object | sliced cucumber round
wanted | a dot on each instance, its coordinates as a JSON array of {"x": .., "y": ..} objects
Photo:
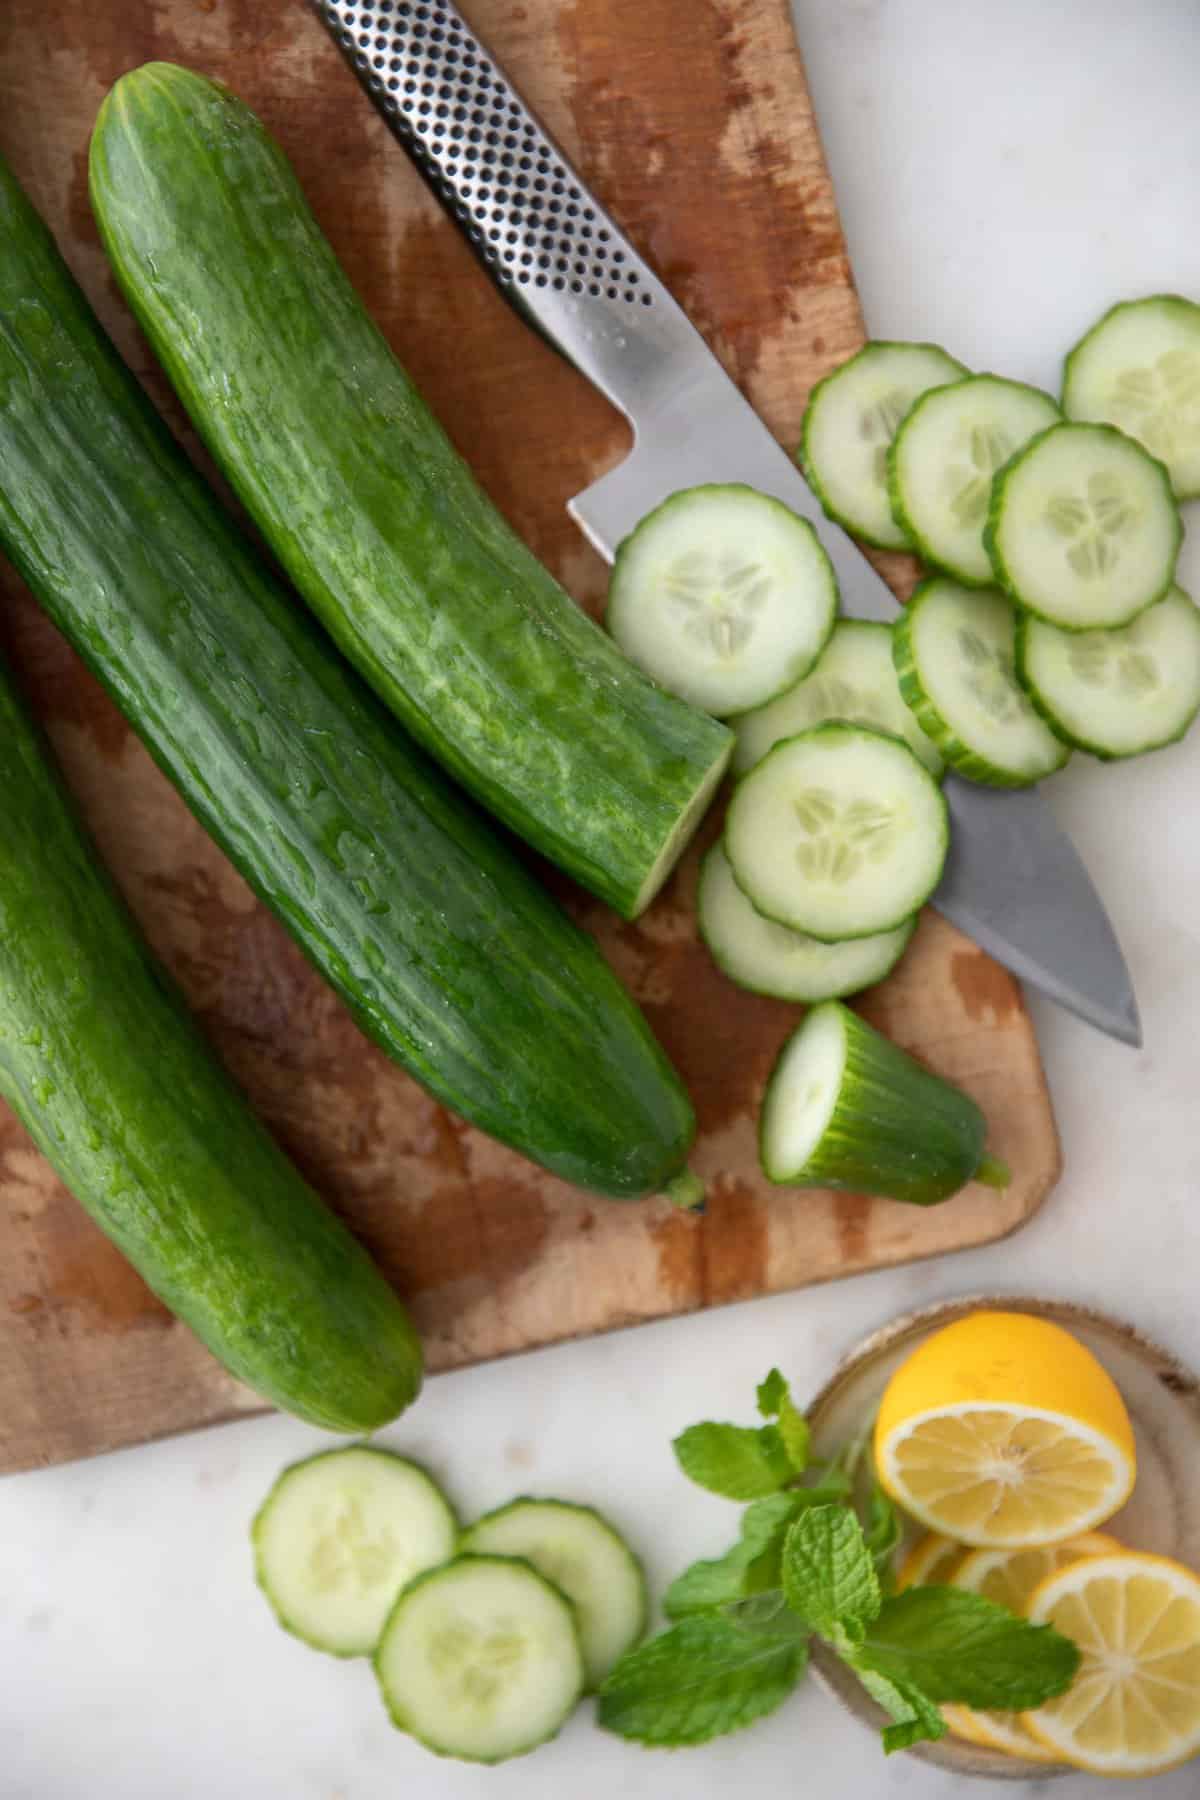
[
  {"x": 955, "y": 658},
  {"x": 338, "y": 1537},
  {"x": 578, "y": 1550},
  {"x": 770, "y": 959},
  {"x": 480, "y": 1659},
  {"x": 1139, "y": 369},
  {"x": 724, "y": 595},
  {"x": 854, "y": 681},
  {"x": 851, "y": 419},
  {"x": 1083, "y": 528},
  {"x": 844, "y": 1108},
  {"x": 943, "y": 460},
  {"x": 1117, "y": 693},
  {"x": 840, "y": 833}
]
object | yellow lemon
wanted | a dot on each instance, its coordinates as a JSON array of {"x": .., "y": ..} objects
[
  {"x": 1134, "y": 1707},
  {"x": 931, "y": 1560},
  {"x": 1009, "y": 1577},
  {"x": 1002, "y": 1431}
]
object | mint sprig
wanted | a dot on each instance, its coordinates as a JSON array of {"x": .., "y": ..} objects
[{"x": 806, "y": 1566}]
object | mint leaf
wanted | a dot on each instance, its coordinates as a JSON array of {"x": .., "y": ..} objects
[
  {"x": 704, "y": 1677},
  {"x": 959, "y": 1646},
  {"x": 751, "y": 1566},
  {"x": 828, "y": 1575},
  {"x": 883, "y": 1532},
  {"x": 775, "y": 1401},
  {"x": 769, "y": 1613},
  {"x": 741, "y": 1462},
  {"x": 916, "y": 1719},
  {"x": 771, "y": 1394}
]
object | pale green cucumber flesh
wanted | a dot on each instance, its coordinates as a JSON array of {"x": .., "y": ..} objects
[
  {"x": 1117, "y": 693},
  {"x": 853, "y": 681},
  {"x": 1082, "y": 527},
  {"x": 1139, "y": 368},
  {"x": 366, "y": 504},
  {"x": 480, "y": 1659},
  {"x": 450, "y": 954},
  {"x": 851, "y": 418},
  {"x": 839, "y": 832},
  {"x": 944, "y": 457},
  {"x": 338, "y": 1538},
  {"x": 955, "y": 659},
  {"x": 579, "y": 1551},
  {"x": 845, "y": 1109},
  {"x": 770, "y": 959},
  {"x": 723, "y": 595}
]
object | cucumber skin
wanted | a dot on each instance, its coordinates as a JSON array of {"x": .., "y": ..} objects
[
  {"x": 256, "y": 1524},
  {"x": 1121, "y": 306},
  {"x": 118, "y": 1090},
  {"x": 395, "y": 1713},
  {"x": 450, "y": 955},
  {"x": 367, "y": 506},
  {"x": 958, "y": 755},
  {"x": 896, "y": 1114},
  {"x": 996, "y": 507},
  {"x": 805, "y": 462},
  {"x": 1073, "y": 739},
  {"x": 896, "y": 498}
]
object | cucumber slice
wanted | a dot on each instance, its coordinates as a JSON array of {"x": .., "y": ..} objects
[
  {"x": 851, "y": 419},
  {"x": 844, "y": 1108},
  {"x": 1083, "y": 529},
  {"x": 480, "y": 1659},
  {"x": 854, "y": 680},
  {"x": 724, "y": 595},
  {"x": 943, "y": 460},
  {"x": 1139, "y": 369},
  {"x": 1117, "y": 693},
  {"x": 578, "y": 1551},
  {"x": 338, "y": 1537},
  {"x": 955, "y": 656},
  {"x": 840, "y": 833},
  {"x": 770, "y": 959}
]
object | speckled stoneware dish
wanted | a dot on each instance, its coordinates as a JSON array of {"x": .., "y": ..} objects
[{"x": 1163, "y": 1513}]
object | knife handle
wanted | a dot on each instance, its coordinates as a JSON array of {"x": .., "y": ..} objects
[{"x": 549, "y": 245}]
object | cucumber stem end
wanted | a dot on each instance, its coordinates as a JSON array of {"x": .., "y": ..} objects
[
  {"x": 686, "y": 1191},
  {"x": 993, "y": 1172}
]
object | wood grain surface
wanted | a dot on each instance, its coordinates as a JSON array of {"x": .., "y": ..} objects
[{"x": 692, "y": 121}]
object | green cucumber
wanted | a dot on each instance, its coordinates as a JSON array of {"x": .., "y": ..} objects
[
  {"x": 340, "y": 1536},
  {"x": 375, "y": 517},
  {"x": 846, "y": 1109},
  {"x": 1139, "y": 368},
  {"x": 480, "y": 1659},
  {"x": 578, "y": 1550},
  {"x": 449, "y": 953},
  {"x": 117, "y": 1088},
  {"x": 954, "y": 649}
]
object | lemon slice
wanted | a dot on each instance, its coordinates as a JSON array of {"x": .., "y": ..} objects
[
  {"x": 1134, "y": 1707},
  {"x": 1009, "y": 1577},
  {"x": 1001, "y": 1430},
  {"x": 932, "y": 1559}
]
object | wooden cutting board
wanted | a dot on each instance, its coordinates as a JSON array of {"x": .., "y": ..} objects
[{"x": 692, "y": 120}]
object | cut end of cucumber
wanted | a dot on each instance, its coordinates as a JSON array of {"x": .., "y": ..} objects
[
  {"x": 684, "y": 831},
  {"x": 480, "y": 1659},
  {"x": 340, "y": 1535},
  {"x": 803, "y": 1093}
]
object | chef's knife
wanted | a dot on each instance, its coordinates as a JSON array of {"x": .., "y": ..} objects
[{"x": 1013, "y": 881}]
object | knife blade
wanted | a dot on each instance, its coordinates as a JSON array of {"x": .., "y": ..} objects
[{"x": 1013, "y": 880}]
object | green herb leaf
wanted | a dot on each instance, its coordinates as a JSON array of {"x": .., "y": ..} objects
[
  {"x": 958, "y": 1646},
  {"x": 751, "y": 1566},
  {"x": 704, "y": 1677},
  {"x": 828, "y": 1575},
  {"x": 741, "y": 1462},
  {"x": 916, "y": 1718},
  {"x": 769, "y": 1613},
  {"x": 775, "y": 1401}
]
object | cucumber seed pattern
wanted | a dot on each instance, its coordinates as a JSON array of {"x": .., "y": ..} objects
[
  {"x": 833, "y": 697},
  {"x": 720, "y": 596},
  {"x": 991, "y": 678},
  {"x": 1092, "y": 524},
  {"x": 969, "y": 481},
  {"x": 1101, "y": 661},
  {"x": 1160, "y": 403},
  {"x": 476, "y": 1663},
  {"x": 840, "y": 836},
  {"x": 345, "y": 1554},
  {"x": 878, "y": 425}
]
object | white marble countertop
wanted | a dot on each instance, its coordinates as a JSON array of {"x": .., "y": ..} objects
[{"x": 1004, "y": 173}]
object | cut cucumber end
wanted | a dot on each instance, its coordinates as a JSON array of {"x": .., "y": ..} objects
[
  {"x": 480, "y": 1659},
  {"x": 803, "y": 1093},
  {"x": 683, "y": 832}
]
